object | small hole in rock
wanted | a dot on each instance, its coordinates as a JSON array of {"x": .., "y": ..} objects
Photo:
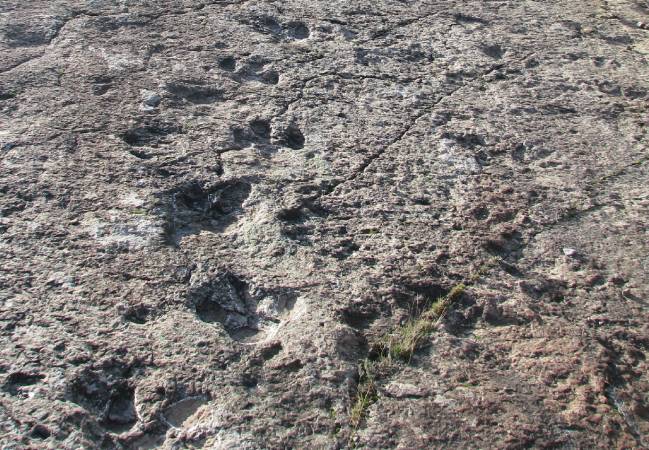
[
  {"x": 193, "y": 207},
  {"x": 40, "y": 432},
  {"x": 493, "y": 51},
  {"x": 228, "y": 64},
  {"x": 261, "y": 128},
  {"x": 481, "y": 213},
  {"x": 100, "y": 89},
  {"x": 270, "y": 77},
  {"x": 6, "y": 95},
  {"x": 240, "y": 136},
  {"x": 194, "y": 93},
  {"x": 121, "y": 410},
  {"x": 294, "y": 138},
  {"x": 150, "y": 134},
  {"x": 272, "y": 351},
  {"x": 140, "y": 154},
  {"x": 249, "y": 381},
  {"x": 297, "y": 30},
  {"x": 21, "y": 379},
  {"x": 137, "y": 314},
  {"x": 291, "y": 215},
  {"x": 210, "y": 311}
]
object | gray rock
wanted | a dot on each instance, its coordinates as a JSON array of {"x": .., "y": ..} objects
[
  {"x": 151, "y": 99},
  {"x": 235, "y": 201}
]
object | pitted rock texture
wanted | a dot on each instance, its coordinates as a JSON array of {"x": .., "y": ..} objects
[{"x": 210, "y": 209}]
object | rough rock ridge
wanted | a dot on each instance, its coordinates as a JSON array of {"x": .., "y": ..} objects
[{"x": 211, "y": 212}]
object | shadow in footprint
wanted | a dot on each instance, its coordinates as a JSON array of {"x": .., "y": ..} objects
[
  {"x": 193, "y": 207},
  {"x": 297, "y": 30},
  {"x": 254, "y": 70},
  {"x": 31, "y": 35},
  {"x": 121, "y": 413},
  {"x": 293, "y": 138},
  {"x": 267, "y": 24},
  {"x": 243, "y": 310},
  {"x": 229, "y": 64},
  {"x": 19, "y": 380},
  {"x": 194, "y": 92},
  {"x": 494, "y": 51},
  {"x": 257, "y": 132},
  {"x": 150, "y": 134},
  {"x": 107, "y": 395}
]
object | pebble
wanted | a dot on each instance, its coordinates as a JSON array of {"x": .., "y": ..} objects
[
  {"x": 151, "y": 99},
  {"x": 569, "y": 251}
]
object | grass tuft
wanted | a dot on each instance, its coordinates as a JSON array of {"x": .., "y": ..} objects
[
  {"x": 366, "y": 393},
  {"x": 404, "y": 341},
  {"x": 401, "y": 344}
]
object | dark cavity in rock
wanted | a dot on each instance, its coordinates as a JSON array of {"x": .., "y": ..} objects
[
  {"x": 121, "y": 410},
  {"x": 294, "y": 138},
  {"x": 228, "y": 64},
  {"x": 226, "y": 300},
  {"x": 268, "y": 24},
  {"x": 40, "y": 432},
  {"x": 297, "y": 30},
  {"x": 101, "y": 84},
  {"x": 269, "y": 77},
  {"x": 139, "y": 154},
  {"x": 234, "y": 303},
  {"x": 194, "y": 207},
  {"x": 493, "y": 51},
  {"x": 29, "y": 35},
  {"x": 257, "y": 132},
  {"x": 261, "y": 128},
  {"x": 138, "y": 314},
  {"x": 150, "y": 134},
  {"x": 107, "y": 395},
  {"x": 464, "y": 18},
  {"x": 195, "y": 93},
  {"x": 18, "y": 380},
  {"x": 6, "y": 95}
]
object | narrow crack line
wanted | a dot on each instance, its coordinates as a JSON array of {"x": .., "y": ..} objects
[
  {"x": 621, "y": 171},
  {"x": 59, "y": 28},
  {"x": 365, "y": 164},
  {"x": 344, "y": 76},
  {"x": 381, "y": 77},
  {"x": 402, "y": 23},
  {"x": 153, "y": 15},
  {"x": 15, "y": 66},
  {"x": 64, "y": 22}
]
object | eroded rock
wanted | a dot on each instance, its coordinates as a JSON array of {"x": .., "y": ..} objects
[{"x": 212, "y": 213}]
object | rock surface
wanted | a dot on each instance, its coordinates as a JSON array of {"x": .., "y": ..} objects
[{"x": 210, "y": 209}]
